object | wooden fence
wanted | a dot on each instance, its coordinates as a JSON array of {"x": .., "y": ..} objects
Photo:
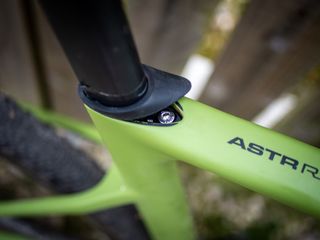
[{"x": 274, "y": 48}]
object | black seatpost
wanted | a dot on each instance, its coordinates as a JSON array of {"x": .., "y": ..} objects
[{"x": 96, "y": 38}]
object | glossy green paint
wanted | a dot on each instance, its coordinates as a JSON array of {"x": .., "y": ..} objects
[
  {"x": 152, "y": 175},
  {"x": 145, "y": 173},
  {"x": 201, "y": 139},
  {"x": 110, "y": 192},
  {"x": 145, "y": 157}
]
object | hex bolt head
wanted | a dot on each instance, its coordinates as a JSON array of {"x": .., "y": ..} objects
[{"x": 166, "y": 117}]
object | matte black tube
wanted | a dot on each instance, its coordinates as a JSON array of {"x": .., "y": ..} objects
[{"x": 97, "y": 40}]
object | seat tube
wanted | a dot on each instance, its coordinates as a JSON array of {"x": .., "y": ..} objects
[{"x": 153, "y": 176}]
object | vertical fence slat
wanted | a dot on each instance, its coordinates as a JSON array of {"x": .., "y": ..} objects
[
  {"x": 304, "y": 122},
  {"x": 273, "y": 46},
  {"x": 17, "y": 75},
  {"x": 168, "y": 32}
]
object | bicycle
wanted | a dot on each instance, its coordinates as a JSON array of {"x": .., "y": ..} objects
[{"x": 142, "y": 110}]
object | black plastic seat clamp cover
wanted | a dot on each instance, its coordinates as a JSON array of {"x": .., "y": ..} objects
[{"x": 163, "y": 90}]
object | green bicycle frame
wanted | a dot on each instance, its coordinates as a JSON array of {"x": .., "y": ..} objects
[
  {"x": 144, "y": 169},
  {"x": 99, "y": 45}
]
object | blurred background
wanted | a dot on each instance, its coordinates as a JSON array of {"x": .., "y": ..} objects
[{"x": 259, "y": 60}]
